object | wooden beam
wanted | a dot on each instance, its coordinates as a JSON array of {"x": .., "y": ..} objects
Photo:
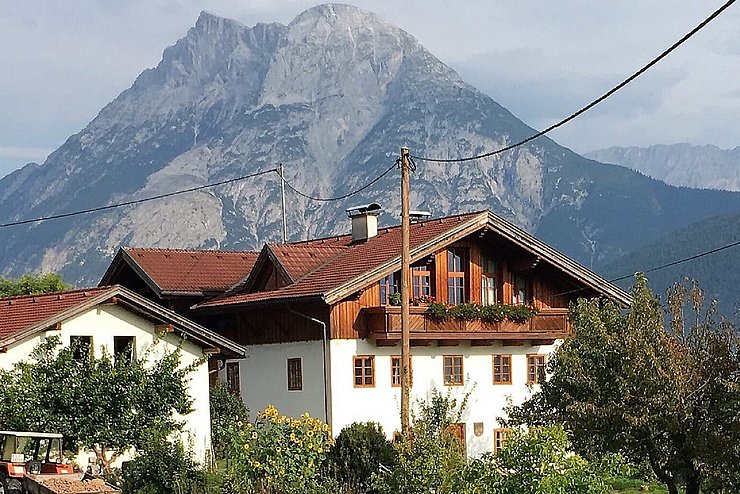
[
  {"x": 421, "y": 342},
  {"x": 448, "y": 342},
  {"x": 514, "y": 342},
  {"x": 386, "y": 343},
  {"x": 164, "y": 328},
  {"x": 3, "y": 349},
  {"x": 482, "y": 342},
  {"x": 211, "y": 351},
  {"x": 542, "y": 342}
]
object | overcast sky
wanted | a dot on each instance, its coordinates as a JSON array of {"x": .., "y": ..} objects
[{"x": 61, "y": 62}]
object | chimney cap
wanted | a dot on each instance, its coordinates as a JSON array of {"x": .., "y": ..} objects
[
  {"x": 364, "y": 209},
  {"x": 419, "y": 215}
]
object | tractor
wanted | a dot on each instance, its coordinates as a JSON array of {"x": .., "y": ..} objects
[{"x": 32, "y": 462}]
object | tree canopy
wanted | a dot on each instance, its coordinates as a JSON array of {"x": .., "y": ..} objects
[
  {"x": 32, "y": 284},
  {"x": 657, "y": 392},
  {"x": 101, "y": 404}
]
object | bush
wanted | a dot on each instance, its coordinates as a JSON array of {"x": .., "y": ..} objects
[
  {"x": 432, "y": 460},
  {"x": 226, "y": 410},
  {"x": 164, "y": 467},
  {"x": 358, "y": 452},
  {"x": 276, "y": 453}
]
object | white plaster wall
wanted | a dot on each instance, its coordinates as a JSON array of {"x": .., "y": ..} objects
[
  {"x": 382, "y": 403},
  {"x": 106, "y": 321},
  {"x": 264, "y": 379}
]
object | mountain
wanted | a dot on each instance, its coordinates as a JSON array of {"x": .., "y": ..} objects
[
  {"x": 333, "y": 95},
  {"x": 716, "y": 273},
  {"x": 703, "y": 167}
]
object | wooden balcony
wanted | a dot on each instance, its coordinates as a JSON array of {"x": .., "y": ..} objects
[{"x": 383, "y": 324}]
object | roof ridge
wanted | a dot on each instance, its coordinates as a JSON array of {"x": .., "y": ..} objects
[{"x": 129, "y": 248}]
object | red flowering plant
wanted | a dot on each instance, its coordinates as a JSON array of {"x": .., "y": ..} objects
[{"x": 424, "y": 299}]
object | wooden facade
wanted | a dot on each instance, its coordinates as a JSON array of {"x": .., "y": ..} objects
[{"x": 363, "y": 315}]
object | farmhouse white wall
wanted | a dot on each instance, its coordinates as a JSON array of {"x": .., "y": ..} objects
[
  {"x": 264, "y": 379},
  {"x": 382, "y": 403},
  {"x": 106, "y": 321}
]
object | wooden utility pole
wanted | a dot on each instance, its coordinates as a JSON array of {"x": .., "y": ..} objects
[
  {"x": 405, "y": 294},
  {"x": 281, "y": 171}
]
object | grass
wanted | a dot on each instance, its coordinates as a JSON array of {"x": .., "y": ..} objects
[{"x": 632, "y": 486}]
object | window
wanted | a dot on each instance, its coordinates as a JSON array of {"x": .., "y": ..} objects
[
  {"x": 502, "y": 369},
  {"x": 489, "y": 293},
  {"x": 364, "y": 371},
  {"x": 422, "y": 277},
  {"x": 123, "y": 349},
  {"x": 522, "y": 290},
  {"x": 81, "y": 347},
  {"x": 453, "y": 370},
  {"x": 456, "y": 264},
  {"x": 500, "y": 436},
  {"x": 388, "y": 286},
  {"x": 232, "y": 378},
  {"x": 396, "y": 371},
  {"x": 535, "y": 368},
  {"x": 295, "y": 374}
]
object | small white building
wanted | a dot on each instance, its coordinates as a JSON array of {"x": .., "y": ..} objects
[{"x": 115, "y": 318}]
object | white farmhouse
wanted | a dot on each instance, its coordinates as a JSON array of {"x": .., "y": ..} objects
[
  {"x": 322, "y": 333},
  {"x": 115, "y": 318}
]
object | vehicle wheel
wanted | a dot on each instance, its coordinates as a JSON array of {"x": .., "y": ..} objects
[{"x": 12, "y": 486}]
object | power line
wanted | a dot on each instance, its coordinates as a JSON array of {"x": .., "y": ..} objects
[
  {"x": 136, "y": 201},
  {"x": 663, "y": 266},
  {"x": 348, "y": 194},
  {"x": 594, "y": 102}
]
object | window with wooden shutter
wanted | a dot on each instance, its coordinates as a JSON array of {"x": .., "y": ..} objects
[{"x": 456, "y": 268}]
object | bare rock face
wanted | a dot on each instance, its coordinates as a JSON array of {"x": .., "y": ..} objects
[
  {"x": 683, "y": 165},
  {"x": 333, "y": 95}
]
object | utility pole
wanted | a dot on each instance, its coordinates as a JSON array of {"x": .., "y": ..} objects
[
  {"x": 281, "y": 172},
  {"x": 405, "y": 294}
]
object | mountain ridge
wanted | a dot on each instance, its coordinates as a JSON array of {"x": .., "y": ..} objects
[{"x": 333, "y": 95}]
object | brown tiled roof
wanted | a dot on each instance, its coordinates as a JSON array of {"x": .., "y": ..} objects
[
  {"x": 193, "y": 271},
  {"x": 19, "y": 313},
  {"x": 28, "y": 314},
  {"x": 349, "y": 260},
  {"x": 302, "y": 258}
]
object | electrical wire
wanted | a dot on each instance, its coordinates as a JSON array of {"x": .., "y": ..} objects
[
  {"x": 136, "y": 201},
  {"x": 663, "y": 266},
  {"x": 594, "y": 102},
  {"x": 348, "y": 194}
]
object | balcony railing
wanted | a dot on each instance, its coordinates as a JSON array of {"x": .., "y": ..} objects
[{"x": 384, "y": 323}]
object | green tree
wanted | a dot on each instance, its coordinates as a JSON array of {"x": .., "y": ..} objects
[
  {"x": 32, "y": 284},
  {"x": 98, "y": 404},
  {"x": 226, "y": 410},
  {"x": 630, "y": 384},
  {"x": 358, "y": 452}
]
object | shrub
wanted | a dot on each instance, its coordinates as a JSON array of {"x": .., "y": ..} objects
[
  {"x": 164, "y": 467},
  {"x": 277, "y": 453},
  {"x": 432, "y": 459},
  {"x": 358, "y": 452},
  {"x": 226, "y": 410}
]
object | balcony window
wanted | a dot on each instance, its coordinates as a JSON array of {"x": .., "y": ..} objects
[
  {"x": 388, "y": 286},
  {"x": 456, "y": 267},
  {"x": 522, "y": 290},
  {"x": 422, "y": 276},
  {"x": 489, "y": 292}
]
